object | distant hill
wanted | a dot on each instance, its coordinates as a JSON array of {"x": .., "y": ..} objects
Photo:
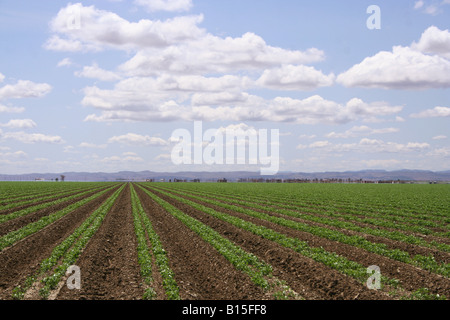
[{"x": 411, "y": 175}]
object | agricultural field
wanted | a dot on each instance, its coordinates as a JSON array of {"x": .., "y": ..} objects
[{"x": 224, "y": 241}]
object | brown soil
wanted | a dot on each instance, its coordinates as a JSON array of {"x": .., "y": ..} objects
[
  {"x": 108, "y": 265},
  {"x": 110, "y": 269},
  {"x": 428, "y": 238},
  {"x": 440, "y": 256},
  {"x": 20, "y": 222},
  {"x": 23, "y": 258},
  {"x": 412, "y": 278},
  {"x": 201, "y": 272},
  {"x": 309, "y": 278},
  {"x": 37, "y": 202}
]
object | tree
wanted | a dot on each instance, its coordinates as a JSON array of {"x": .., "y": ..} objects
[{"x": 62, "y": 177}]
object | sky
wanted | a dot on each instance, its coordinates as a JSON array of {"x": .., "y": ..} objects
[{"x": 103, "y": 85}]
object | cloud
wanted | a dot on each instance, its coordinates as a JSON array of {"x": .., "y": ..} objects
[
  {"x": 165, "y": 5},
  {"x": 13, "y": 155},
  {"x": 95, "y": 72},
  {"x": 134, "y": 103},
  {"x": 211, "y": 54},
  {"x": 437, "y": 112},
  {"x": 19, "y": 124},
  {"x": 138, "y": 140},
  {"x": 418, "y": 4},
  {"x": 31, "y": 138},
  {"x": 66, "y": 62},
  {"x": 124, "y": 158},
  {"x": 431, "y": 9},
  {"x": 291, "y": 77},
  {"x": 434, "y": 41},
  {"x": 361, "y": 130},
  {"x": 24, "y": 89},
  {"x": 440, "y": 137},
  {"x": 383, "y": 163},
  {"x": 5, "y": 109},
  {"x": 101, "y": 29},
  {"x": 440, "y": 152},
  {"x": 366, "y": 145},
  {"x": 403, "y": 68},
  {"x": 2, "y": 77},
  {"x": 92, "y": 145}
]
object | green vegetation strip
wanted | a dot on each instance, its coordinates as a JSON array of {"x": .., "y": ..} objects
[
  {"x": 142, "y": 225},
  {"x": 318, "y": 254},
  {"x": 14, "y": 191},
  {"x": 17, "y": 235},
  {"x": 26, "y": 211},
  {"x": 392, "y": 235},
  {"x": 75, "y": 242},
  {"x": 242, "y": 260},
  {"x": 43, "y": 197},
  {"x": 424, "y": 262},
  {"x": 304, "y": 196},
  {"x": 395, "y": 220},
  {"x": 330, "y": 259}
]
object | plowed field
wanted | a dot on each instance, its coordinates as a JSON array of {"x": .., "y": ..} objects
[{"x": 211, "y": 241}]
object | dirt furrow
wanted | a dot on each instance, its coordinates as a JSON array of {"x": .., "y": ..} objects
[
  {"x": 108, "y": 265},
  {"x": 309, "y": 278},
  {"x": 412, "y": 278},
  {"x": 20, "y": 222},
  {"x": 24, "y": 257},
  {"x": 38, "y": 202},
  {"x": 440, "y": 256},
  {"x": 201, "y": 272}
]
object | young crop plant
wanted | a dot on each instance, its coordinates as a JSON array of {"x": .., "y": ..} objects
[
  {"x": 257, "y": 270},
  {"x": 397, "y": 222},
  {"x": 54, "y": 195},
  {"x": 17, "y": 235},
  {"x": 355, "y": 240},
  {"x": 32, "y": 209},
  {"x": 348, "y": 267},
  {"x": 68, "y": 250},
  {"x": 144, "y": 228}
]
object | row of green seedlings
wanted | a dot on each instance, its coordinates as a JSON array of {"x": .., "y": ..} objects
[
  {"x": 15, "y": 191},
  {"x": 421, "y": 220},
  {"x": 47, "y": 197},
  {"x": 396, "y": 219},
  {"x": 32, "y": 209},
  {"x": 434, "y": 220},
  {"x": 66, "y": 253},
  {"x": 259, "y": 272},
  {"x": 319, "y": 254},
  {"x": 384, "y": 200},
  {"x": 393, "y": 235},
  {"x": 425, "y": 262},
  {"x": 144, "y": 229},
  {"x": 14, "y": 202},
  {"x": 14, "y": 236}
]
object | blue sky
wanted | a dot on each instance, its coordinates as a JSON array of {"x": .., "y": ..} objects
[{"x": 102, "y": 85}]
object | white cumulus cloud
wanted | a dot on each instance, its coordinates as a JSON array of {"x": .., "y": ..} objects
[
  {"x": 138, "y": 140},
  {"x": 294, "y": 77},
  {"x": 100, "y": 29},
  {"x": 24, "y": 89},
  {"x": 19, "y": 124},
  {"x": 165, "y": 5},
  {"x": 436, "y": 112},
  {"x": 95, "y": 72},
  {"x": 403, "y": 68}
]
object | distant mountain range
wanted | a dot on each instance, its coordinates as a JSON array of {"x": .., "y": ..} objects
[{"x": 411, "y": 175}]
